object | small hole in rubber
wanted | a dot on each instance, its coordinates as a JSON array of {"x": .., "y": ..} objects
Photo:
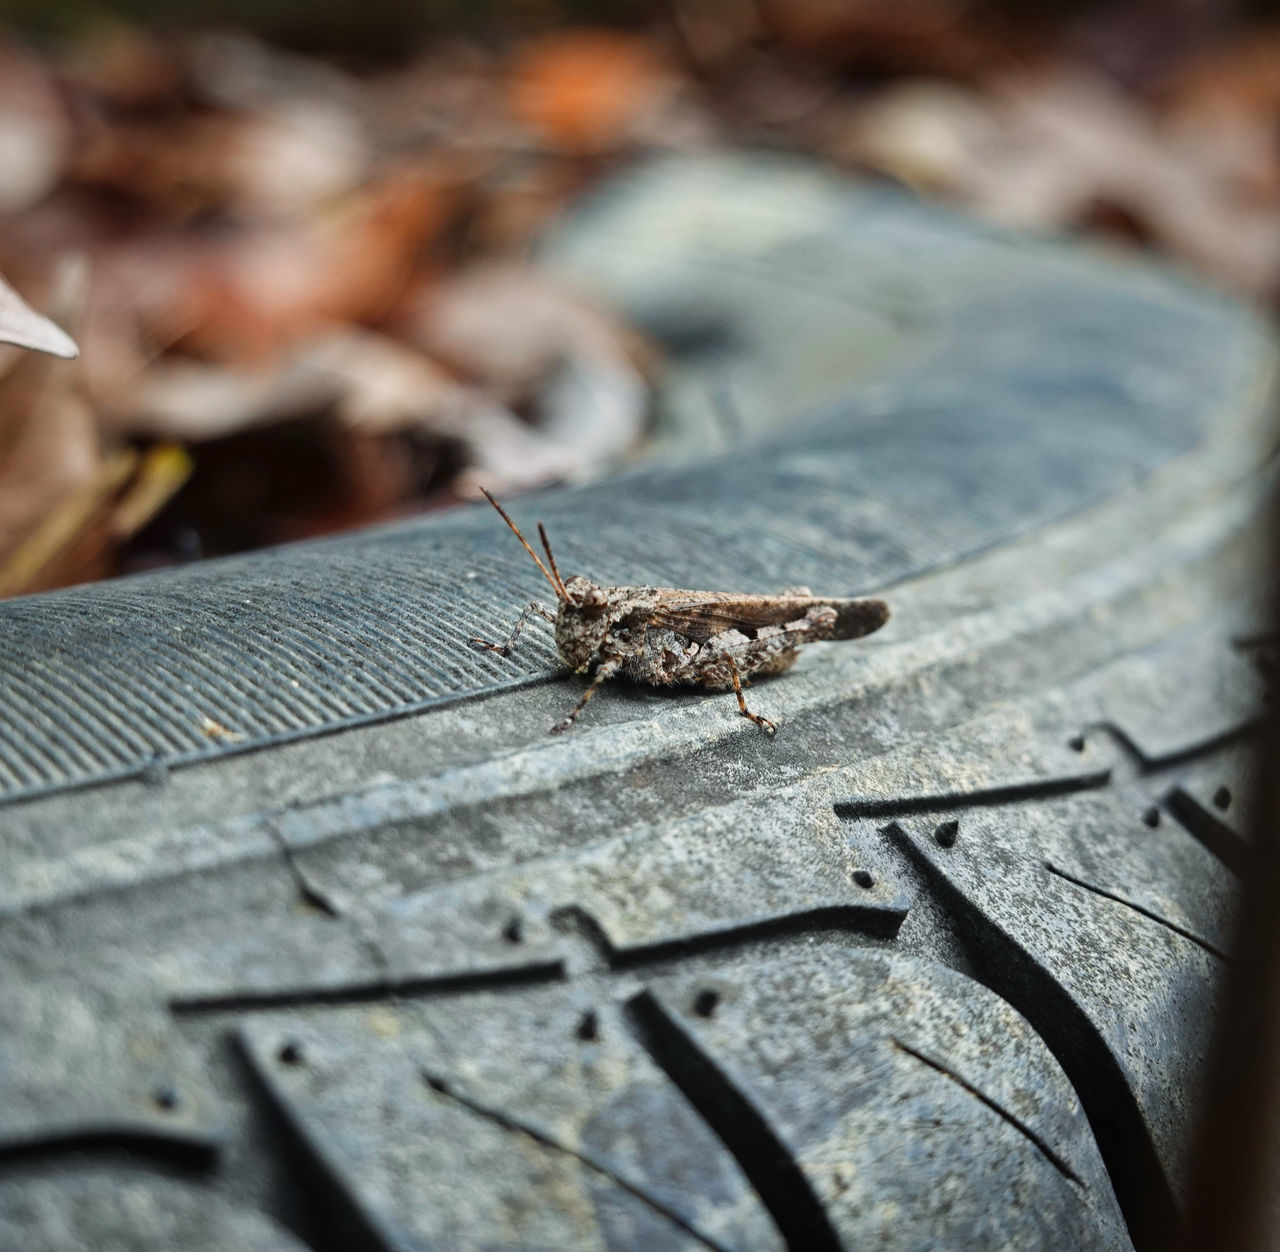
[
  {"x": 864, "y": 878},
  {"x": 1222, "y": 798},
  {"x": 290, "y": 1053},
  {"x": 706, "y": 1002},
  {"x": 1151, "y": 817}
]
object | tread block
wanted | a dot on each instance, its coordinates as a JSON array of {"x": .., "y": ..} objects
[
  {"x": 363, "y": 956},
  {"x": 1002, "y": 758},
  {"x": 87, "y": 1067},
  {"x": 279, "y": 958},
  {"x": 905, "y": 1094},
  {"x": 1105, "y": 841},
  {"x": 779, "y": 863},
  {"x": 118, "y": 1210},
  {"x": 530, "y": 1121},
  {"x": 1214, "y": 800},
  {"x": 1190, "y": 692},
  {"x": 1124, "y": 996}
]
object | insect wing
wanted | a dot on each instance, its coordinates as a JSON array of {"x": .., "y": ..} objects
[{"x": 700, "y": 619}]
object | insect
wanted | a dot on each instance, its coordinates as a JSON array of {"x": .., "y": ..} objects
[{"x": 662, "y": 635}]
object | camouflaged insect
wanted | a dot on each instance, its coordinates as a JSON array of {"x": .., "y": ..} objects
[{"x": 662, "y": 635}]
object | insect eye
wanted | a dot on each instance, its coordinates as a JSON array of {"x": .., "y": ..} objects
[{"x": 594, "y": 600}]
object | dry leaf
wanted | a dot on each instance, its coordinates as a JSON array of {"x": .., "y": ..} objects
[
  {"x": 946, "y": 38},
  {"x": 277, "y": 163},
  {"x": 48, "y": 437},
  {"x": 35, "y": 132},
  {"x": 716, "y": 31},
  {"x": 583, "y": 90},
  {"x": 22, "y": 325},
  {"x": 68, "y": 542},
  {"x": 372, "y": 385},
  {"x": 1063, "y": 149},
  {"x": 529, "y": 341},
  {"x": 272, "y": 288},
  {"x": 125, "y": 67},
  {"x": 161, "y": 472}
]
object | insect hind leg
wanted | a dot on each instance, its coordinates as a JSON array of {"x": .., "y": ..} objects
[
  {"x": 763, "y": 722},
  {"x": 504, "y": 648}
]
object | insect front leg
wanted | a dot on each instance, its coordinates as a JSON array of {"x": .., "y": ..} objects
[
  {"x": 606, "y": 670},
  {"x": 503, "y": 648},
  {"x": 763, "y": 722}
]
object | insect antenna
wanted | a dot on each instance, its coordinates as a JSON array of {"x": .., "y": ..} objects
[
  {"x": 555, "y": 569},
  {"x": 557, "y": 587}
]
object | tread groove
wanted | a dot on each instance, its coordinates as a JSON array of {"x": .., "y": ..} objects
[
  {"x": 187, "y": 1151},
  {"x": 797, "y": 1212},
  {"x": 983, "y": 797},
  {"x": 1216, "y": 836},
  {"x": 877, "y": 921},
  {"x": 865, "y": 919},
  {"x": 1153, "y": 762},
  {"x": 370, "y": 991},
  {"x": 1143, "y": 1191}
]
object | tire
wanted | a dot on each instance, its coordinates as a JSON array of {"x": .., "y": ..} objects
[{"x": 314, "y": 938}]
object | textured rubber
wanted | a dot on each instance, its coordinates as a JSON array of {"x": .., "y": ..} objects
[
  {"x": 1022, "y": 384},
  {"x": 935, "y": 967}
]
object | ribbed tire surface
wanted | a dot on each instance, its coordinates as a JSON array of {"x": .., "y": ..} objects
[{"x": 378, "y": 963}]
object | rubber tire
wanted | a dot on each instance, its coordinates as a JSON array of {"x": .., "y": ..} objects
[{"x": 314, "y": 937}]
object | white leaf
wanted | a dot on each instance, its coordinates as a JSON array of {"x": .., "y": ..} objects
[{"x": 20, "y": 324}]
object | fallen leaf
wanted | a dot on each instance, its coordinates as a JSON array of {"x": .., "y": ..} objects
[
  {"x": 35, "y": 132},
  {"x": 715, "y": 32},
  {"x": 530, "y": 342},
  {"x": 271, "y": 288},
  {"x": 372, "y": 385},
  {"x": 126, "y": 67},
  {"x": 279, "y": 162},
  {"x": 49, "y": 444},
  {"x": 68, "y": 542},
  {"x": 582, "y": 89},
  {"x": 160, "y": 473},
  {"x": 947, "y": 38},
  {"x": 22, "y": 325},
  {"x": 1062, "y": 149},
  {"x": 65, "y": 505}
]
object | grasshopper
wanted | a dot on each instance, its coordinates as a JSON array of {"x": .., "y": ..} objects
[{"x": 663, "y": 636}]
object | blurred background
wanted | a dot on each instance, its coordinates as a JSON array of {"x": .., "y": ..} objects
[{"x": 296, "y": 239}]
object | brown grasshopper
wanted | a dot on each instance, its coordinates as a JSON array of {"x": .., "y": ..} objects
[{"x": 662, "y": 636}]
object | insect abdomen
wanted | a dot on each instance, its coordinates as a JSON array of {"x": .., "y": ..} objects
[{"x": 855, "y": 618}]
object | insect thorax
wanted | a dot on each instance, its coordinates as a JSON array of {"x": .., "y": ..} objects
[
  {"x": 599, "y": 622},
  {"x": 583, "y": 624}
]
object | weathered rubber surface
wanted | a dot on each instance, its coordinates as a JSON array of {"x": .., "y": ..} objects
[{"x": 935, "y": 967}]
